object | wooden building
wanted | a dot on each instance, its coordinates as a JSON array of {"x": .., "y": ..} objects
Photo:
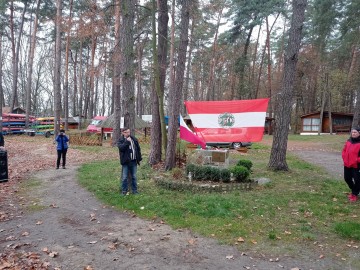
[{"x": 341, "y": 122}]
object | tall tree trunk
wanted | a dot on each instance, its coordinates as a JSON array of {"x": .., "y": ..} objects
[
  {"x": 172, "y": 46},
  {"x": 66, "y": 82},
  {"x": 243, "y": 63},
  {"x": 211, "y": 85},
  {"x": 188, "y": 67},
  {"x": 92, "y": 75},
  {"x": 140, "y": 96},
  {"x": 158, "y": 135},
  {"x": 117, "y": 80},
  {"x": 1, "y": 85},
  {"x": 30, "y": 65},
  {"x": 175, "y": 94},
  {"x": 162, "y": 51},
  {"x": 57, "y": 80},
  {"x": 15, "y": 47},
  {"x": 252, "y": 78},
  {"x": 81, "y": 92},
  {"x": 284, "y": 98},
  {"x": 127, "y": 67},
  {"x": 75, "y": 93}
]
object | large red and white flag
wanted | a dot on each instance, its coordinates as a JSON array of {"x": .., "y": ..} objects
[
  {"x": 187, "y": 135},
  {"x": 229, "y": 121}
]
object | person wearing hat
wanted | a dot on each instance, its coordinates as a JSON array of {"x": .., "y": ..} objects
[
  {"x": 61, "y": 147},
  {"x": 351, "y": 158}
]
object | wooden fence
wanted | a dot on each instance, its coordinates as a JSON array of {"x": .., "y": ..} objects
[{"x": 85, "y": 139}]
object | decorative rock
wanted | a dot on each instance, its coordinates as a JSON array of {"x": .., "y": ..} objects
[{"x": 262, "y": 180}]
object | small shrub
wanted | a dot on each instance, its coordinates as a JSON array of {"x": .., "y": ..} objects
[
  {"x": 246, "y": 163},
  {"x": 207, "y": 172},
  {"x": 225, "y": 175},
  {"x": 199, "y": 173},
  {"x": 215, "y": 174},
  {"x": 241, "y": 173},
  {"x": 190, "y": 168}
]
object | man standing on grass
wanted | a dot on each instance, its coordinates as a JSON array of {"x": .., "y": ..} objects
[{"x": 130, "y": 157}]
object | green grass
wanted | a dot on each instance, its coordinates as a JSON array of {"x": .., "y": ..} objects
[
  {"x": 297, "y": 208},
  {"x": 32, "y": 204}
]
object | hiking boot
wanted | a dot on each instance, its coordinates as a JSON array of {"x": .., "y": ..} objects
[
  {"x": 64, "y": 167},
  {"x": 353, "y": 198},
  {"x": 57, "y": 168}
]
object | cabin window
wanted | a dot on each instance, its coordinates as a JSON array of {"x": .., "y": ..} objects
[{"x": 311, "y": 124}]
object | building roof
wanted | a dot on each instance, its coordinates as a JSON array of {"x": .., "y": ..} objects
[{"x": 327, "y": 112}]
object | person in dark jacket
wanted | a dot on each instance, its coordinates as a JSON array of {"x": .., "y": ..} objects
[
  {"x": 351, "y": 158},
  {"x": 130, "y": 157},
  {"x": 61, "y": 147},
  {"x": 2, "y": 141}
]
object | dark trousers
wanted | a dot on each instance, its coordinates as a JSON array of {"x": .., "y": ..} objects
[
  {"x": 61, "y": 154},
  {"x": 352, "y": 179}
]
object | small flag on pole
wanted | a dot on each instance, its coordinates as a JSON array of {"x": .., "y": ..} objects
[{"x": 187, "y": 135}]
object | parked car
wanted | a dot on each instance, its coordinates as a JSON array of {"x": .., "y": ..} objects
[
  {"x": 234, "y": 145},
  {"x": 95, "y": 125}
]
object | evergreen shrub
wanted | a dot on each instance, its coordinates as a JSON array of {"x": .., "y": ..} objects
[
  {"x": 241, "y": 173},
  {"x": 246, "y": 163}
]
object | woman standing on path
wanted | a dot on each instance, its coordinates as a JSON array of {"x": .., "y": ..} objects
[
  {"x": 350, "y": 156},
  {"x": 62, "y": 147}
]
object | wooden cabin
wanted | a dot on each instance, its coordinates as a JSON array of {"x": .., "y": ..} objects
[
  {"x": 341, "y": 122},
  {"x": 72, "y": 123}
]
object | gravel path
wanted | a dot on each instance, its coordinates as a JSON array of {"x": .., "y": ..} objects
[{"x": 331, "y": 161}]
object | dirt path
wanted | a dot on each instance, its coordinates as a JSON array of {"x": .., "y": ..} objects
[
  {"x": 67, "y": 228},
  {"x": 71, "y": 223}
]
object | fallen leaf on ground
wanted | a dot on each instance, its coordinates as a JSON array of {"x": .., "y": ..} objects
[
  {"x": 192, "y": 241},
  {"x": 53, "y": 254},
  {"x": 240, "y": 239}
]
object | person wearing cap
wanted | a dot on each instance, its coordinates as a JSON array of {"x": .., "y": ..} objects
[
  {"x": 351, "y": 158},
  {"x": 61, "y": 147}
]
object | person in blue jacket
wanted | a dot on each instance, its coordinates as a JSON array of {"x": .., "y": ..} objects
[{"x": 62, "y": 146}]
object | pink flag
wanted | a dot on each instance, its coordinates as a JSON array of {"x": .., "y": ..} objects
[
  {"x": 187, "y": 135},
  {"x": 229, "y": 121}
]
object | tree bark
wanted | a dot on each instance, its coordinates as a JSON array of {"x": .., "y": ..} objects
[
  {"x": 284, "y": 98},
  {"x": 57, "y": 82},
  {"x": 175, "y": 94},
  {"x": 66, "y": 82},
  {"x": 30, "y": 65},
  {"x": 15, "y": 47},
  {"x": 158, "y": 135},
  {"x": 128, "y": 67},
  {"x": 116, "y": 79}
]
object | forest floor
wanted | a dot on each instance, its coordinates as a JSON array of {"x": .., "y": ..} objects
[{"x": 53, "y": 223}]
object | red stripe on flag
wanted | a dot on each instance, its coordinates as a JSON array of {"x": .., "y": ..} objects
[
  {"x": 233, "y": 106},
  {"x": 249, "y": 134}
]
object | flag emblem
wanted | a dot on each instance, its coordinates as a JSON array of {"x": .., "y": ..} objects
[{"x": 226, "y": 120}]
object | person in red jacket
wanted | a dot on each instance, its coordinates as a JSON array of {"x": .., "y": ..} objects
[{"x": 351, "y": 158}]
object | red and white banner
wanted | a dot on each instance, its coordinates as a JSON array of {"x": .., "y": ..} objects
[
  {"x": 187, "y": 135},
  {"x": 229, "y": 121}
]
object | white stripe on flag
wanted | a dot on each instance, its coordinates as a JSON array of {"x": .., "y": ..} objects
[{"x": 250, "y": 119}]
